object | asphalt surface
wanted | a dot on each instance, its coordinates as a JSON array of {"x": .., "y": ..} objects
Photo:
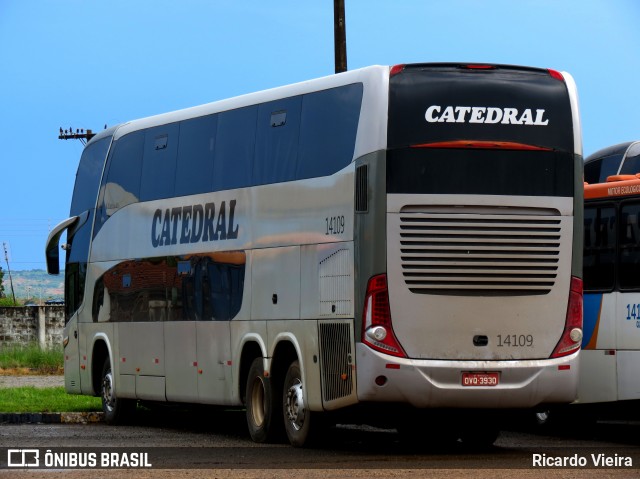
[{"x": 215, "y": 443}]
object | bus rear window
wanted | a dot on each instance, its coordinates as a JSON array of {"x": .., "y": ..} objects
[{"x": 479, "y": 172}]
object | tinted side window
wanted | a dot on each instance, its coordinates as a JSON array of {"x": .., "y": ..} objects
[
  {"x": 234, "y": 147},
  {"x": 74, "y": 279},
  {"x": 227, "y": 285},
  {"x": 599, "y": 247},
  {"x": 171, "y": 289},
  {"x": 277, "y": 141},
  {"x": 629, "y": 253},
  {"x": 122, "y": 185},
  {"x": 195, "y": 156},
  {"x": 159, "y": 162},
  {"x": 85, "y": 192},
  {"x": 328, "y": 130},
  {"x": 631, "y": 164},
  {"x": 597, "y": 171}
]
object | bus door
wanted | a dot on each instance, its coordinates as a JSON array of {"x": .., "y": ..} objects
[
  {"x": 220, "y": 286},
  {"x": 598, "y": 381},
  {"x": 197, "y": 344},
  {"x": 71, "y": 356}
]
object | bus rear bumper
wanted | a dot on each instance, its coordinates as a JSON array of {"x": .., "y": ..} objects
[{"x": 438, "y": 384}]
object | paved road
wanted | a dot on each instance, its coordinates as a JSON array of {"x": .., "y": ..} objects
[{"x": 187, "y": 445}]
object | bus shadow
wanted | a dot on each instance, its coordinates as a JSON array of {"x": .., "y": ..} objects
[
  {"x": 358, "y": 440},
  {"x": 618, "y": 425}
]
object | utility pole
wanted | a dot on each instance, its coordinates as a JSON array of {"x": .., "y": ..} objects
[
  {"x": 340, "y": 36},
  {"x": 79, "y": 134},
  {"x": 6, "y": 258}
]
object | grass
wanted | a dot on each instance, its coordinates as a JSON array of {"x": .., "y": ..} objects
[
  {"x": 31, "y": 358},
  {"x": 20, "y": 360},
  {"x": 31, "y": 399}
]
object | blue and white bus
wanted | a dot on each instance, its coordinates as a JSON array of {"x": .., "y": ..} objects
[
  {"x": 611, "y": 346},
  {"x": 404, "y": 240}
]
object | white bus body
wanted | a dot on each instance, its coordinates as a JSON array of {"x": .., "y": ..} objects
[{"x": 398, "y": 237}]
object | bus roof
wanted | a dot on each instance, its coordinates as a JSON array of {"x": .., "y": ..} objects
[
  {"x": 364, "y": 75},
  {"x": 375, "y": 78},
  {"x": 608, "y": 151}
]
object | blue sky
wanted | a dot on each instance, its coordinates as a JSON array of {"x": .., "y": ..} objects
[{"x": 87, "y": 63}]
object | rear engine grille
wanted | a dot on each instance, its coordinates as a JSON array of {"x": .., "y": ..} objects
[
  {"x": 336, "y": 360},
  {"x": 486, "y": 255}
]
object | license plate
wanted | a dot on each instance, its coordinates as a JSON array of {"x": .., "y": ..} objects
[{"x": 480, "y": 379}]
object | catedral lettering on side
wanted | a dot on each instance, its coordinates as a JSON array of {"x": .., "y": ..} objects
[
  {"x": 482, "y": 114},
  {"x": 193, "y": 223}
]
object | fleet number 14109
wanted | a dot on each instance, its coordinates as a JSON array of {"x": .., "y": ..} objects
[
  {"x": 515, "y": 340},
  {"x": 334, "y": 225}
]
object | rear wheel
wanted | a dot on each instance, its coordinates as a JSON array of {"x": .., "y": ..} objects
[
  {"x": 542, "y": 417},
  {"x": 303, "y": 427},
  {"x": 116, "y": 410},
  {"x": 263, "y": 419}
]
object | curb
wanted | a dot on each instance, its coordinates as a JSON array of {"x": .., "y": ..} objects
[{"x": 51, "y": 418}]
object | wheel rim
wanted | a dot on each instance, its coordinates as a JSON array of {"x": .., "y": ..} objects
[
  {"x": 542, "y": 416},
  {"x": 295, "y": 405},
  {"x": 257, "y": 402},
  {"x": 108, "y": 398}
]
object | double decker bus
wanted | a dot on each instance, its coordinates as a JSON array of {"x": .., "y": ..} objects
[
  {"x": 388, "y": 242},
  {"x": 611, "y": 344}
]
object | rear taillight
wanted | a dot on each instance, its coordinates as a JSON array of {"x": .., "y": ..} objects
[
  {"x": 377, "y": 331},
  {"x": 478, "y": 66},
  {"x": 396, "y": 69},
  {"x": 572, "y": 335},
  {"x": 556, "y": 74}
]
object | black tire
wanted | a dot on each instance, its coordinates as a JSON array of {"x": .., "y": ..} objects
[
  {"x": 303, "y": 427},
  {"x": 264, "y": 418},
  {"x": 116, "y": 410}
]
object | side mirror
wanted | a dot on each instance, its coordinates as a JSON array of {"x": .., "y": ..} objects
[{"x": 51, "y": 249}]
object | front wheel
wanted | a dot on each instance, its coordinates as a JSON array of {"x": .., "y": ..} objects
[{"x": 116, "y": 410}]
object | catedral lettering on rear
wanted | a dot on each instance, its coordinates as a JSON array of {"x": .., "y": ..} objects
[
  {"x": 193, "y": 223},
  {"x": 482, "y": 114}
]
